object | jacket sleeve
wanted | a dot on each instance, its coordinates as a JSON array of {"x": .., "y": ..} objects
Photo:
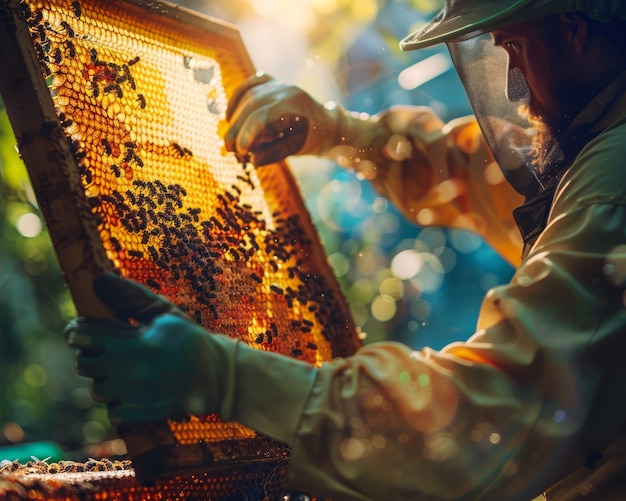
[
  {"x": 536, "y": 392},
  {"x": 440, "y": 174}
]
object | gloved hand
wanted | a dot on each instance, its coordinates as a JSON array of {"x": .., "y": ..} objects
[
  {"x": 166, "y": 366},
  {"x": 269, "y": 121}
]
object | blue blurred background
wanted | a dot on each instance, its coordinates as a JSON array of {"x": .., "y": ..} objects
[{"x": 421, "y": 286}]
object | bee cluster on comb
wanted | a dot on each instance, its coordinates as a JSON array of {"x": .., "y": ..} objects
[{"x": 131, "y": 175}]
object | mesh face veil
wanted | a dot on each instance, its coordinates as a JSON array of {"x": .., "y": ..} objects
[{"x": 495, "y": 94}]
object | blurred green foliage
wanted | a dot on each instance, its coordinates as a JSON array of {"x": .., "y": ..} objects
[{"x": 40, "y": 396}]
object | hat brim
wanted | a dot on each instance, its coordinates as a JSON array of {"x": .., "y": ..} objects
[{"x": 448, "y": 26}]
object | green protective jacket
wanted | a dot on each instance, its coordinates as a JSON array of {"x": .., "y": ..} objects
[{"x": 535, "y": 398}]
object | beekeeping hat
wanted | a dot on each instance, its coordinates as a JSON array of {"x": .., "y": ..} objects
[
  {"x": 463, "y": 19},
  {"x": 494, "y": 91}
]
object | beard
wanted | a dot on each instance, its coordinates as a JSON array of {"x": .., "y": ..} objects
[{"x": 546, "y": 156}]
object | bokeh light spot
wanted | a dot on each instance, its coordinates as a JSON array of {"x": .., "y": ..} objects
[
  {"x": 383, "y": 308},
  {"x": 423, "y": 380},
  {"x": 404, "y": 377},
  {"x": 494, "y": 438},
  {"x": 13, "y": 432},
  {"x": 339, "y": 263},
  {"x": 392, "y": 287},
  {"x": 94, "y": 432},
  {"x": 407, "y": 264},
  {"x": 464, "y": 241},
  {"x": 29, "y": 225},
  {"x": 493, "y": 174},
  {"x": 352, "y": 449},
  {"x": 35, "y": 375},
  {"x": 615, "y": 265}
]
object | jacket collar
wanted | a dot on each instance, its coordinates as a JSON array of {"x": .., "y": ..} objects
[{"x": 601, "y": 112}]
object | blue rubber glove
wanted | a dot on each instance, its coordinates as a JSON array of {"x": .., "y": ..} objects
[{"x": 163, "y": 365}]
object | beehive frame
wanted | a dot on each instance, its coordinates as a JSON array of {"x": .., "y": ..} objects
[{"x": 118, "y": 108}]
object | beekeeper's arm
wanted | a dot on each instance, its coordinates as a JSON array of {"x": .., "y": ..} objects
[{"x": 437, "y": 174}]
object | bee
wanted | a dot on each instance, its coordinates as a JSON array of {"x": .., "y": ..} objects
[
  {"x": 116, "y": 170},
  {"x": 106, "y": 146},
  {"x": 88, "y": 176},
  {"x": 93, "y": 202},
  {"x": 178, "y": 148},
  {"x": 10, "y": 466},
  {"x": 94, "y": 465},
  {"x": 214, "y": 311},
  {"x": 133, "y": 61},
  {"x": 41, "y": 54},
  {"x": 41, "y": 31},
  {"x": 66, "y": 123},
  {"x": 114, "y": 87},
  {"x": 115, "y": 243},
  {"x": 68, "y": 29},
  {"x": 134, "y": 253},
  {"x": 71, "y": 466},
  {"x": 152, "y": 283},
  {"x": 95, "y": 89},
  {"x": 77, "y": 9},
  {"x": 142, "y": 101},
  {"x": 54, "y": 468},
  {"x": 71, "y": 48},
  {"x": 93, "y": 55},
  {"x": 57, "y": 56},
  {"x": 129, "y": 77},
  {"x": 256, "y": 277},
  {"x": 25, "y": 10},
  {"x": 131, "y": 196}
]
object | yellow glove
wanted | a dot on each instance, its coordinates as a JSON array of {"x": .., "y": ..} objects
[{"x": 269, "y": 121}]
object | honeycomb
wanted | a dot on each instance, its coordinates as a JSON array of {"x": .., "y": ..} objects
[
  {"x": 138, "y": 90},
  {"x": 102, "y": 480}
]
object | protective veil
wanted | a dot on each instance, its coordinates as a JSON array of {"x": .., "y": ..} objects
[{"x": 464, "y": 25}]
